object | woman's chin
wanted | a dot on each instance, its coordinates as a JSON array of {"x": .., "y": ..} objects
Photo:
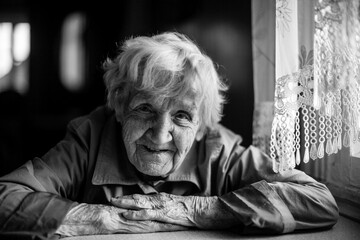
[
  {"x": 154, "y": 171},
  {"x": 156, "y": 165}
]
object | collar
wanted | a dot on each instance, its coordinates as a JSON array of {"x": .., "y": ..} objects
[{"x": 113, "y": 166}]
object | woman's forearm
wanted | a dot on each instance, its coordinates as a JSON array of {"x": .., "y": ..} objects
[
  {"x": 89, "y": 219},
  {"x": 92, "y": 219},
  {"x": 191, "y": 211}
]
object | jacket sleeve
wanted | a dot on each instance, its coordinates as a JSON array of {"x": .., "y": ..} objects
[
  {"x": 275, "y": 202},
  {"x": 35, "y": 198}
]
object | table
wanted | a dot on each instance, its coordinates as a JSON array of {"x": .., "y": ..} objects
[{"x": 345, "y": 229}]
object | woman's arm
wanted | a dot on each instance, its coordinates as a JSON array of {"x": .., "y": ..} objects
[
  {"x": 190, "y": 211},
  {"x": 91, "y": 219},
  {"x": 35, "y": 198},
  {"x": 257, "y": 198},
  {"x": 27, "y": 207},
  {"x": 258, "y": 206}
]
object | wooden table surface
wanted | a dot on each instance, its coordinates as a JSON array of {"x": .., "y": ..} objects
[{"x": 345, "y": 229}]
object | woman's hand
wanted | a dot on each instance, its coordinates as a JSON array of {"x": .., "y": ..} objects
[
  {"x": 190, "y": 211},
  {"x": 91, "y": 219}
]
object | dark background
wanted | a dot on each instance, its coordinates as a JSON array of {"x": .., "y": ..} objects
[{"x": 32, "y": 123}]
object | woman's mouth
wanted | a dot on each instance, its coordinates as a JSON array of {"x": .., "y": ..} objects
[
  {"x": 150, "y": 149},
  {"x": 154, "y": 150}
]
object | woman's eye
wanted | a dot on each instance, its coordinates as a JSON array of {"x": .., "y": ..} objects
[
  {"x": 183, "y": 116},
  {"x": 145, "y": 108}
]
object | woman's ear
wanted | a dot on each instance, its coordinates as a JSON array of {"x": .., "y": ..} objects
[
  {"x": 119, "y": 113},
  {"x": 200, "y": 134},
  {"x": 118, "y": 117}
]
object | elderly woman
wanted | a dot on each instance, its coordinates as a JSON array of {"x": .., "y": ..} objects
[{"x": 157, "y": 159}]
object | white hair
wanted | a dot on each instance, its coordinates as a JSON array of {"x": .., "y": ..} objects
[{"x": 164, "y": 66}]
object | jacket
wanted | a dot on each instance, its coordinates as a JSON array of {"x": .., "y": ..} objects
[{"x": 90, "y": 166}]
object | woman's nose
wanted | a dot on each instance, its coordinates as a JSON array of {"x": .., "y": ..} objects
[{"x": 162, "y": 130}]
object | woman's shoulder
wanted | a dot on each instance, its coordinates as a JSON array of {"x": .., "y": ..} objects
[
  {"x": 97, "y": 118},
  {"x": 220, "y": 133}
]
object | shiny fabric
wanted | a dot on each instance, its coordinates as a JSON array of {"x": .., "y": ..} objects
[{"x": 90, "y": 165}]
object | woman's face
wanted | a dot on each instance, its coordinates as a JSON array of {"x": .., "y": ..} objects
[{"x": 158, "y": 136}]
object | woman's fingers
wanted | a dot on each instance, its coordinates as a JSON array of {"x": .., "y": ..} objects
[
  {"x": 161, "y": 207},
  {"x": 135, "y": 201}
]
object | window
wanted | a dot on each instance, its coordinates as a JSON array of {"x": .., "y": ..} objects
[
  {"x": 14, "y": 56},
  {"x": 72, "y": 52}
]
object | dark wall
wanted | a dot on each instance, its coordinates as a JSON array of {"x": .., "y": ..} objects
[{"x": 221, "y": 28}]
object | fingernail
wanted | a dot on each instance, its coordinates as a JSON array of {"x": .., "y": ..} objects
[{"x": 126, "y": 214}]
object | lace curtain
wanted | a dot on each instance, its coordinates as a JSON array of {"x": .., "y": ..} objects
[{"x": 317, "y": 86}]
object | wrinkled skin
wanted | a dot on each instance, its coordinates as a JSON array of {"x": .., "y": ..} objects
[
  {"x": 91, "y": 219},
  {"x": 191, "y": 211},
  {"x": 147, "y": 213}
]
